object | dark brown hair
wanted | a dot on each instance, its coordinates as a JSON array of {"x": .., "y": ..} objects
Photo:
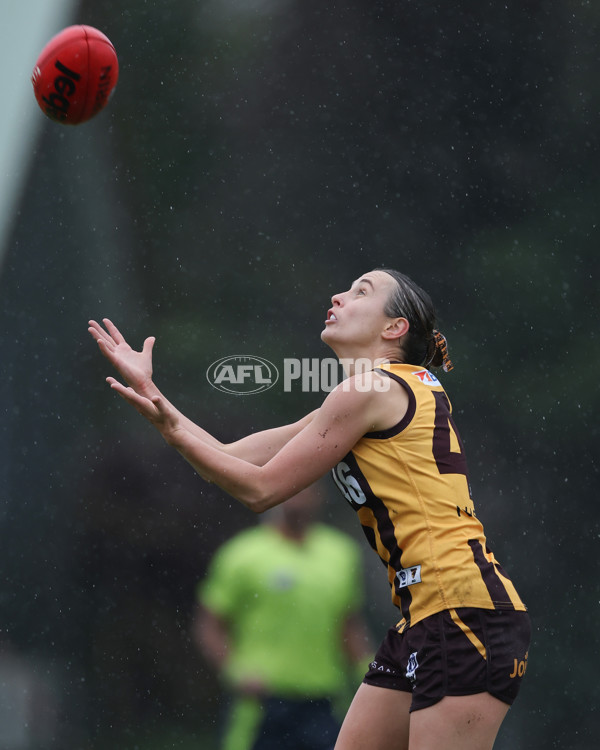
[{"x": 423, "y": 345}]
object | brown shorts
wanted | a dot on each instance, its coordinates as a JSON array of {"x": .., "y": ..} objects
[{"x": 455, "y": 652}]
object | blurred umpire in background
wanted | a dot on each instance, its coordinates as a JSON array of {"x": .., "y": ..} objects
[{"x": 278, "y": 619}]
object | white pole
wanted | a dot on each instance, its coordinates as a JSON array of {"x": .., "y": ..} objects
[{"x": 26, "y": 27}]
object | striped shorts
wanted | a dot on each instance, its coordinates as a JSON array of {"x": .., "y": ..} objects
[{"x": 455, "y": 652}]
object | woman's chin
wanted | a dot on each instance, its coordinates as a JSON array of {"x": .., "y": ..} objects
[{"x": 326, "y": 336}]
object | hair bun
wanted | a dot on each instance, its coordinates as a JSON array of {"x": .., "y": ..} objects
[{"x": 440, "y": 354}]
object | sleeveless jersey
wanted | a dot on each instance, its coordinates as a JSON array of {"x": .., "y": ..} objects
[{"x": 410, "y": 488}]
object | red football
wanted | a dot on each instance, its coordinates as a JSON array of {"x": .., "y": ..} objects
[{"x": 75, "y": 74}]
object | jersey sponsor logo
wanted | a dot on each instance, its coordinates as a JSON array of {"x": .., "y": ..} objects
[
  {"x": 283, "y": 580},
  {"x": 466, "y": 510},
  {"x": 426, "y": 377},
  {"x": 409, "y": 576},
  {"x": 347, "y": 484},
  {"x": 412, "y": 666}
]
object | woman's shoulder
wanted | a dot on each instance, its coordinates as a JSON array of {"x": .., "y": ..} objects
[
  {"x": 411, "y": 374},
  {"x": 375, "y": 395}
]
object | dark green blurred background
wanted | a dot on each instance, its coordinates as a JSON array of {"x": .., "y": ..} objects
[{"x": 256, "y": 157}]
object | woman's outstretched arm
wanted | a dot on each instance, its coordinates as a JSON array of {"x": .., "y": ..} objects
[
  {"x": 352, "y": 409},
  {"x": 136, "y": 369}
]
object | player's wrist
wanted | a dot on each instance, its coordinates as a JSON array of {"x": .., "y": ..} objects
[{"x": 145, "y": 387}]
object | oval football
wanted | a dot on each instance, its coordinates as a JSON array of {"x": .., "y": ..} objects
[{"x": 75, "y": 74}]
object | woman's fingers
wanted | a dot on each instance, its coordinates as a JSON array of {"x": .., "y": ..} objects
[
  {"x": 148, "y": 345},
  {"x": 100, "y": 335},
  {"x": 150, "y": 408},
  {"x": 114, "y": 331}
]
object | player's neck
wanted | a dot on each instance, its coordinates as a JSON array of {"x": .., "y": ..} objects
[{"x": 293, "y": 533}]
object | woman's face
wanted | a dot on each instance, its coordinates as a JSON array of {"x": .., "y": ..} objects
[{"x": 357, "y": 317}]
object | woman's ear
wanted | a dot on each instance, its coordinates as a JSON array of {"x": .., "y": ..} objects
[{"x": 396, "y": 328}]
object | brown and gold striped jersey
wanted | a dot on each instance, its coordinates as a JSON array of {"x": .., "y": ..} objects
[{"x": 410, "y": 488}]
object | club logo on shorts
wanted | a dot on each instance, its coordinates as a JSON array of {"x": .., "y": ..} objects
[{"x": 412, "y": 666}]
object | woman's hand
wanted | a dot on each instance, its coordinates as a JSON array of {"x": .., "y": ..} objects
[
  {"x": 134, "y": 367},
  {"x": 157, "y": 410}
]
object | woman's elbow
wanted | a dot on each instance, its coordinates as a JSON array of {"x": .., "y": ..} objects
[{"x": 260, "y": 502}]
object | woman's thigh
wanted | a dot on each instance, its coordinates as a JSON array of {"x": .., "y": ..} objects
[
  {"x": 378, "y": 719},
  {"x": 467, "y": 722}
]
